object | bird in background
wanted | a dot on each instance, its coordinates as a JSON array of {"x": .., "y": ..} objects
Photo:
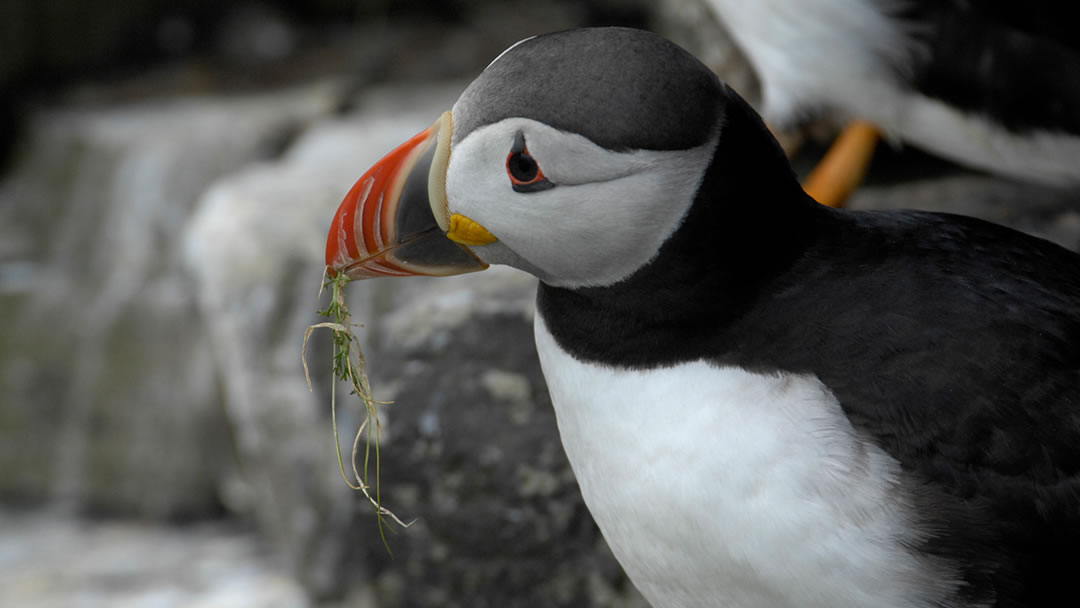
[{"x": 990, "y": 84}]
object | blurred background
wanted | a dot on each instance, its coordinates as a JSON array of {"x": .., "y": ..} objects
[{"x": 169, "y": 171}]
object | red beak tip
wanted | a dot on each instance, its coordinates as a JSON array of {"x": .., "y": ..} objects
[{"x": 365, "y": 240}]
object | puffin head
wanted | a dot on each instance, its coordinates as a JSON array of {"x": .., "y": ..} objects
[{"x": 573, "y": 156}]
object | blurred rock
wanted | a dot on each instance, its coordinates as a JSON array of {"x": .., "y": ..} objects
[
  {"x": 110, "y": 399},
  {"x": 255, "y": 33},
  {"x": 255, "y": 248},
  {"x": 1046, "y": 212},
  {"x": 51, "y": 562}
]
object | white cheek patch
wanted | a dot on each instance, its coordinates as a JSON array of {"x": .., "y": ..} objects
[
  {"x": 607, "y": 216},
  {"x": 571, "y": 159},
  {"x": 477, "y": 172}
]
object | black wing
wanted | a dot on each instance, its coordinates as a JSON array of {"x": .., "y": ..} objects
[{"x": 955, "y": 344}]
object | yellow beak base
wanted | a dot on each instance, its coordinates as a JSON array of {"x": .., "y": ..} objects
[{"x": 465, "y": 231}]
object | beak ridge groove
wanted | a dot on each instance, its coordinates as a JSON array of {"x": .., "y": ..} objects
[{"x": 393, "y": 221}]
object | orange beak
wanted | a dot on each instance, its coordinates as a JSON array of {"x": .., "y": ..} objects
[{"x": 393, "y": 222}]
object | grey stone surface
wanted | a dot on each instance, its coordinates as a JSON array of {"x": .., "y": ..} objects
[
  {"x": 50, "y": 561},
  {"x": 254, "y": 247},
  {"x": 107, "y": 385},
  {"x": 1045, "y": 212}
]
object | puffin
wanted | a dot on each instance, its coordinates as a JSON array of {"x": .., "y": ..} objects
[
  {"x": 766, "y": 401},
  {"x": 992, "y": 85}
]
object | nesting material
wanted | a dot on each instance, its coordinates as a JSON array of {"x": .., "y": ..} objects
[{"x": 349, "y": 365}]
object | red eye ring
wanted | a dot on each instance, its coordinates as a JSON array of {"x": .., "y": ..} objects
[
  {"x": 523, "y": 169},
  {"x": 525, "y": 173}
]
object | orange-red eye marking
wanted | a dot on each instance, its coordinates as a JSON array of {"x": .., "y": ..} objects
[{"x": 525, "y": 173}]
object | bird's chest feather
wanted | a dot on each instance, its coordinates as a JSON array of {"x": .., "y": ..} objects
[{"x": 719, "y": 487}]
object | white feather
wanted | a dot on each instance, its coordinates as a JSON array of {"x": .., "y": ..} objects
[
  {"x": 1043, "y": 156},
  {"x": 810, "y": 54},
  {"x": 719, "y": 487}
]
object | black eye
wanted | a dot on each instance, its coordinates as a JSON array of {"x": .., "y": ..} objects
[
  {"x": 523, "y": 169},
  {"x": 525, "y": 174}
]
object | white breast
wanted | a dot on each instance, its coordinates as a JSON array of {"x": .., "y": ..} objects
[{"x": 719, "y": 487}]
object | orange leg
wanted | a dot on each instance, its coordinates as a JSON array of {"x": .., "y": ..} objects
[{"x": 837, "y": 174}]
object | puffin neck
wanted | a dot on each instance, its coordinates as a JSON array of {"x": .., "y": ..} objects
[{"x": 750, "y": 221}]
